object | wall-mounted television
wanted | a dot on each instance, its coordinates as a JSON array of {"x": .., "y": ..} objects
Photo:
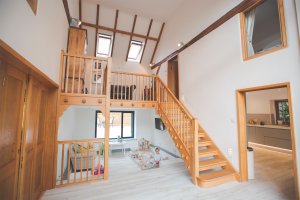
[{"x": 159, "y": 124}]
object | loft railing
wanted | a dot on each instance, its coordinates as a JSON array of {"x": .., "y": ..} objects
[
  {"x": 181, "y": 125},
  {"x": 83, "y": 75},
  {"x": 132, "y": 86},
  {"x": 80, "y": 161}
]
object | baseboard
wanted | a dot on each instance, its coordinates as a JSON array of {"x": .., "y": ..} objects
[
  {"x": 168, "y": 152},
  {"x": 262, "y": 146}
]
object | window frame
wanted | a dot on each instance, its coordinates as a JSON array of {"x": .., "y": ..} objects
[
  {"x": 105, "y": 36},
  {"x": 244, "y": 34},
  {"x": 139, "y": 55},
  {"x": 122, "y": 117},
  {"x": 277, "y": 111}
]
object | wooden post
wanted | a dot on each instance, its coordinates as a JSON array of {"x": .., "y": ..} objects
[
  {"x": 157, "y": 81},
  {"x": 196, "y": 151},
  {"x": 107, "y": 116}
]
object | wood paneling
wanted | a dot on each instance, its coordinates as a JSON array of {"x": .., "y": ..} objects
[
  {"x": 77, "y": 40},
  {"x": 13, "y": 84},
  {"x": 29, "y": 141},
  {"x": 27, "y": 125}
]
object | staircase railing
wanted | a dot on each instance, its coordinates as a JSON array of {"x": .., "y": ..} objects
[
  {"x": 80, "y": 161},
  {"x": 132, "y": 86},
  {"x": 182, "y": 126},
  {"x": 83, "y": 75}
]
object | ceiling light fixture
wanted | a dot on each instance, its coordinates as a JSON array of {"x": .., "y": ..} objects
[
  {"x": 74, "y": 22},
  {"x": 180, "y": 44}
]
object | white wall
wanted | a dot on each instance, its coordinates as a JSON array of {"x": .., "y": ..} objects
[
  {"x": 79, "y": 123},
  {"x": 164, "y": 140},
  {"x": 259, "y": 102},
  {"x": 38, "y": 38},
  {"x": 212, "y": 69},
  {"x": 125, "y": 21},
  {"x": 297, "y": 2}
]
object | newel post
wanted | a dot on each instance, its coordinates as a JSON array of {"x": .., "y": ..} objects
[
  {"x": 107, "y": 116},
  {"x": 157, "y": 89},
  {"x": 195, "y": 153}
]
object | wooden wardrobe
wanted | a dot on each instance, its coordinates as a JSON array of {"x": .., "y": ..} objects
[{"x": 27, "y": 128}]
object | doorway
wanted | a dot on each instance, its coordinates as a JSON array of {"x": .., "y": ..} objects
[
  {"x": 173, "y": 77},
  {"x": 242, "y": 129}
]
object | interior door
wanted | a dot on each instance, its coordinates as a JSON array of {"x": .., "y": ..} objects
[
  {"x": 39, "y": 146},
  {"x": 173, "y": 76},
  {"x": 27, "y": 186},
  {"x": 12, "y": 93}
]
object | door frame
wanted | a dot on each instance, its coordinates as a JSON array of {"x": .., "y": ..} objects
[{"x": 242, "y": 138}]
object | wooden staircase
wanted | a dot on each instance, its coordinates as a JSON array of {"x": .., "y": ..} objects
[
  {"x": 208, "y": 166},
  {"x": 201, "y": 156}
]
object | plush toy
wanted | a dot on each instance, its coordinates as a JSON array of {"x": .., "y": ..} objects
[{"x": 99, "y": 169}]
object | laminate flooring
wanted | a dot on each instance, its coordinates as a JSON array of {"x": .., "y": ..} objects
[{"x": 171, "y": 181}]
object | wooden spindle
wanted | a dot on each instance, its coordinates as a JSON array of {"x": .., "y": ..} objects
[
  {"x": 79, "y": 78},
  {"x": 62, "y": 164},
  {"x": 69, "y": 162},
  {"x": 75, "y": 163}
]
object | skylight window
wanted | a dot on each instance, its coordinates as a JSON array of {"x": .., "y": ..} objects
[
  {"x": 135, "y": 51},
  {"x": 104, "y": 45}
]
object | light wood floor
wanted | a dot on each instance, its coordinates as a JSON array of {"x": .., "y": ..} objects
[{"x": 274, "y": 181}]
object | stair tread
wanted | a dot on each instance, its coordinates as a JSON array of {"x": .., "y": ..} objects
[
  {"x": 202, "y": 134},
  {"x": 204, "y": 142},
  {"x": 216, "y": 175},
  {"x": 212, "y": 163},
  {"x": 201, "y": 142},
  {"x": 207, "y": 152}
]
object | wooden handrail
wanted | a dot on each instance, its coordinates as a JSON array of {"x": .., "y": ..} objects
[
  {"x": 130, "y": 73},
  {"x": 80, "y": 141},
  {"x": 241, "y": 7},
  {"x": 84, "y": 56}
]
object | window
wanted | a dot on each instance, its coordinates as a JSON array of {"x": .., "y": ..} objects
[
  {"x": 104, "y": 45},
  {"x": 282, "y": 111},
  {"x": 263, "y": 29},
  {"x": 135, "y": 51},
  {"x": 121, "y": 124}
]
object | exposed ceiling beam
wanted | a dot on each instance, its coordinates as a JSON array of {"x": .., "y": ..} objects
[
  {"x": 132, "y": 31},
  {"x": 118, "y": 31},
  {"x": 149, "y": 29},
  {"x": 96, "y": 33},
  {"x": 114, "y": 34},
  {"x": 66, "y": 6},
  {"x": 157, "y": 42},
  {"x": 243, "y": 6}
]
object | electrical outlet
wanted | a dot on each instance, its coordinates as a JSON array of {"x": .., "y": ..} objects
[{"x": 229, "y": 152}]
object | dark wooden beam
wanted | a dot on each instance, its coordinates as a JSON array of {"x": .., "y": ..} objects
[
  {"x": 157, "y": 42},
  {"x": 114, "y": 34},
  {"x": 66, "y": 6},
  {"x": 119, "y": 31},
  {"x": 243, "y": 6},
  {"x": 80, "y": 11},
  {"x": 133, "y": 26},
  {"x": 96, "y": 32},
  {"x": 149, "y": 28}
]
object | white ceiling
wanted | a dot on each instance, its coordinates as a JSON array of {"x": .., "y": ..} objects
[{"x": 160, "y": 10}]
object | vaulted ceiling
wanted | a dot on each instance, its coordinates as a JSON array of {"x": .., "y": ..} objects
[{"x": 160, "y": 10}]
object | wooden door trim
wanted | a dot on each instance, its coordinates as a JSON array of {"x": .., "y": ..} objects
[{"x": 241, "y": 119}]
